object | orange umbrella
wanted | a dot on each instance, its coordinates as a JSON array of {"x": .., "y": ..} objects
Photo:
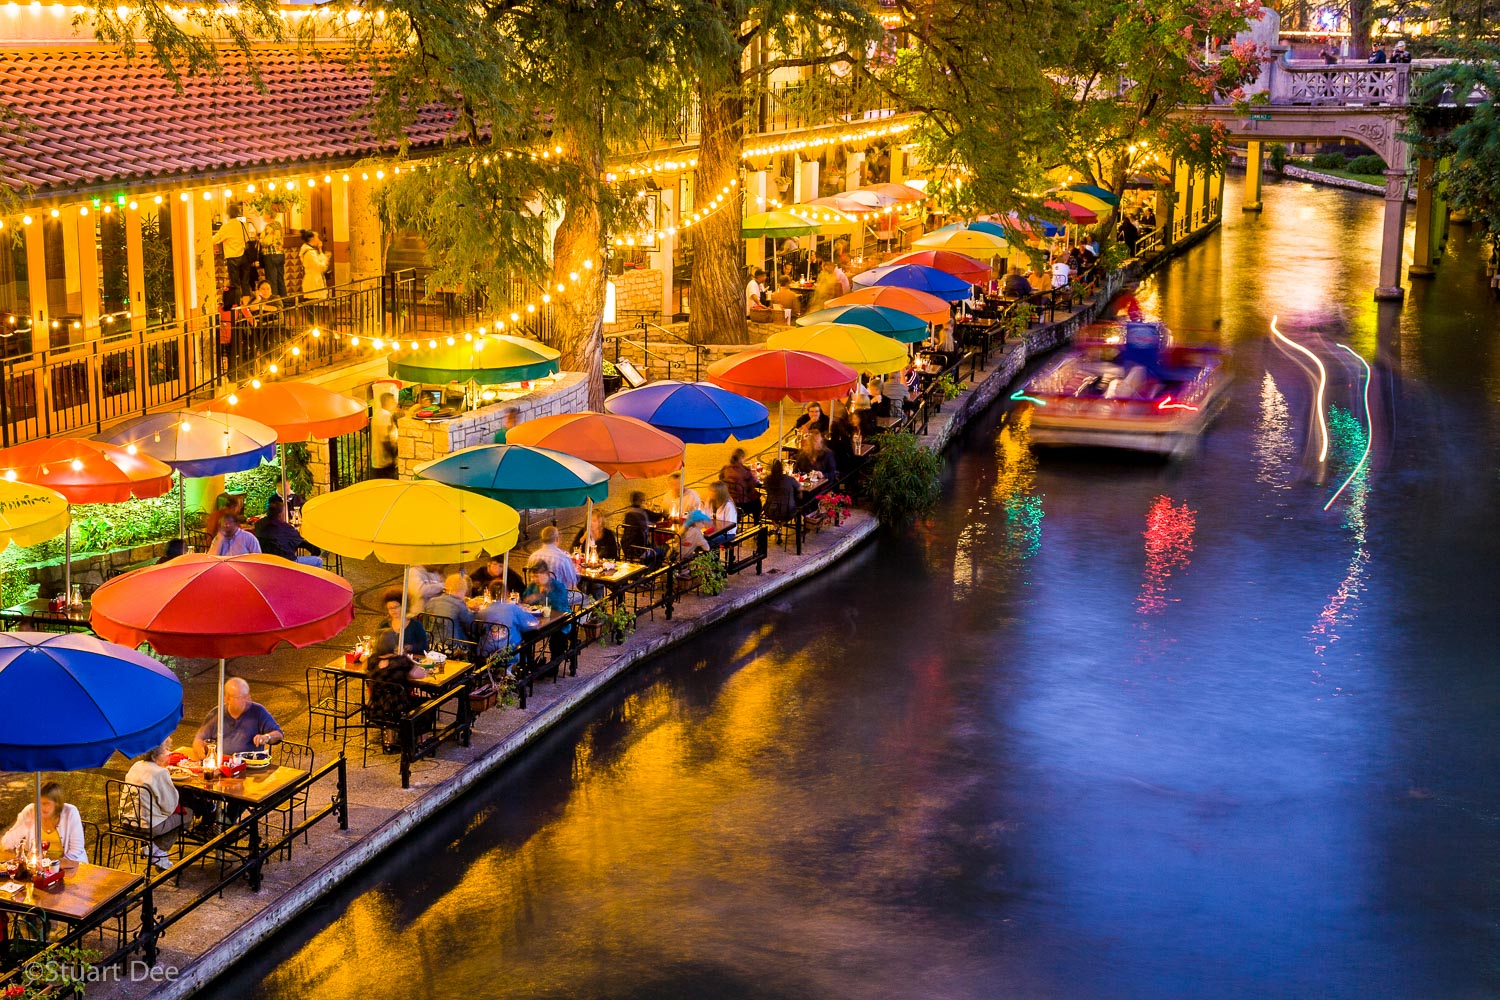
[
  {"x": 84, "y": 472},
  {"x": 619, "y": 445},
  {"x": 296, "y": 411},
  {"x": 908, "y": 300}
]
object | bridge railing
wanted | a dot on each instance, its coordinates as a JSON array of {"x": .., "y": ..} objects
[{"x": 1313, "y": 83}]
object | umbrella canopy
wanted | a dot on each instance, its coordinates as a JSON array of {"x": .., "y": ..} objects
[
  {"x": 488, "y": 360},
  {"x": 520, "y": 476},
  {"x": 85, "y": 471},
  {"x": 775, "y": 224},
  {"x": 928, "y": 308},
  {"x": 1075, "y": 213},
  {"x": 1080, "y": 198},
  {"x": 960, "y": 265},
  {"x": 296, "y": 411},
  {"x": 843, "y": 203},
  {"x": 893, "y": 323},
  {"x": 771, "y": 375},
  {"x": 30, "y": 515},
  {"x": 827, "y": 219},
  {"x": 409, "y": 522},
  {"x": 1098, "y": 193},
  {"x": 198, "y": 444},
  {"x": 696, "y": 412},
  {"x": 971, "y": 241},
  {"x": 915, "y": 276},
  {"x": 79, "y": 699},
  {"x": 212, "y": 606},
  {"x": 855, "y": 346},
  {"x": 892, "y": 194},
  {"x": 621, "y": 446}
]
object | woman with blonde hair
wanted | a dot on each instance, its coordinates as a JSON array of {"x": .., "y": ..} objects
[{"x": 62, "y": 827}]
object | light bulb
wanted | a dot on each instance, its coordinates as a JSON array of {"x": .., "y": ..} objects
[
  {"x": 10, "y": 475},
  {"x": 233, "y": 399},
  {"x": 296, "y": 351},
  {"x": 131, "y": 449},
  {"x": 77, "y": 465},
  {"x": 255, "y": 383}
]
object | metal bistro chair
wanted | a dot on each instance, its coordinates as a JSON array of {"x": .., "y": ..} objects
[
  {"x": 128, "y": 840},
  {"x": 331, "y": 705},
  {"x": 440, "y": 630},
  {"x": 299, "y": 756},
  {"x": 25, "y": 936}
]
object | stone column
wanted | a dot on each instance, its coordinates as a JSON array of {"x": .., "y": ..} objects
[
  {"x": 1391, "y": 236},
  {"x": 36, "y": 284},
  {"x": 366, "y": 246},
  {"x": 1422, "y": 250},
  {"x": 853, "y": 170},
  {"x": 204, "y": 287},
  {"x": 1253, "y": 153},
  {"x": 806, "y": 187},
  {"x": 86, "y": 240},
  {"x": 135, "y": 258},
  {"x": 338, "y": 244},
  {"x": 666, "y": 257}
]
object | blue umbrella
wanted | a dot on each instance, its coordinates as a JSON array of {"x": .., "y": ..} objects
[
  {"x": 520, "y": 476},
  {"x": 893, "y": 323},
  {"x": 77, "y": 700},
  {"x": 1108, "y": 197},
  {"x": 696, "y": 412},
  {"x": 917, "y": 276}
]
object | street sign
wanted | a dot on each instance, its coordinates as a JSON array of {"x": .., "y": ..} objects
[{"x": 1260, "y": 118}]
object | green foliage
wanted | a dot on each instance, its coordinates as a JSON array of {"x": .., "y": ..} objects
[
  {"x": 57, "y": 972},
  {"x": 904, "y": 480},
  {"x": 1113, "y": 254},
  {"x": 1367, "y": 164},
  {"x": 258, "y": 484},
  {"x": 1469, "y": 135},
  {"x": 1335, "y": 160},
  {"x": 1020, "y": 320},
  {"x": 709, "y": 574},
  {"x": 298, "y": 474},
  {"x": 616, "y": 621},
  {"x": 948, "y": 386},
  {"x": 610, "y": 371},
  {"x": 1278, "y": 156}
]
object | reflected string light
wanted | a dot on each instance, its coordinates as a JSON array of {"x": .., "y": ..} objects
[
  {"x": 1169, "y": 546},
  {"x": 1322, "y": 388},
  {"x": 1369, "y": 429}
]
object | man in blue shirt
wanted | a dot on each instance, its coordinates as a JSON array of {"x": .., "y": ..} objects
[
  {"x": 247, "y": 724},
  {"x": 500, "y": 611}
]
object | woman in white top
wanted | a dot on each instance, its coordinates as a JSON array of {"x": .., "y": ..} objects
[
  {"x": 161, "y": 813},
  {"x": 62, "y": 827},
  {"x": 722, "y": 509},
  {"x": 314, "y": 266}
]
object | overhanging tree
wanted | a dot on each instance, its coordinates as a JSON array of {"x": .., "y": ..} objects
[{"x": 1464, "y": 137}]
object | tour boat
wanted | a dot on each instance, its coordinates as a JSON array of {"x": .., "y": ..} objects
[{"x": 1133, "y": 389}]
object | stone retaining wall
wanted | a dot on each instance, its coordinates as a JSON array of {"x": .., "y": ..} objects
[
  {"x": 636, "y": 291},
  {"x": 424, "y": 440}
]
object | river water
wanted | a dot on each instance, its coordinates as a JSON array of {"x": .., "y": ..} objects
[{"x": 1102, "y": 728}]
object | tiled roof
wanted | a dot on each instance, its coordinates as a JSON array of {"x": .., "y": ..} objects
[{"x": 97, "y": 118}]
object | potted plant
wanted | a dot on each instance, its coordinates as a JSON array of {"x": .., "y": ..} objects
[
  {"x": 616, "y": 621},
  {"x": 709, "y": 574},
  {"x": 613, "y": 380},
  {"x": 835, "y": 505}
]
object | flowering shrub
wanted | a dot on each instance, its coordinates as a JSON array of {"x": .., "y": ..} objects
[{"x": 834, "y": 505}]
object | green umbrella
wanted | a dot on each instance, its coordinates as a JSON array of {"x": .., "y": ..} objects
[
  {"x": 488, "y": 360},
  {"x": 776, "y": 225},
  {"x": 520, "y": 476}
]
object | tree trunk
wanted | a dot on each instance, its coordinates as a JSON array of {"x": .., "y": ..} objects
[
  {"x": 1361, "y": 23},
  {"x": 578, "y": 313},
  {"x": 717, "y": 303}
]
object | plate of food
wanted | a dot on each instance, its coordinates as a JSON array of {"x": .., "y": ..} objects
[
  {"x": 256, "y": 758},
  {"x": 179, "y": 773},
  {"x": 433, "y": 656}
]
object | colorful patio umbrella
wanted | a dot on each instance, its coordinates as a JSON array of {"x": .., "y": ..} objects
[
  {"x": 520, "y": 476},
  {"x": 960, "y": 265},
  {"x": 30, "y": 515},
  {"x": 488, "y": 360},
  {"x": 915, "y": 276},
  {"x": 197, "y": 444},
  {"x": 893, "y": 194},
  {"x": 775, "y": 225},
  {"x": 855, "y": 346},
  {"x": 971, "y": 241},
  {"x": 1075, "y": 213},
  {"x": 222, "y": 606},
  {"x": 844, "y": 203},
  {"x": 773, "y": 374},
  {"x": 893, "y": 323},
  {"x": 84, "y": 472},
  {"x": 406, "y": 522},
  {"x": 1082, "y": 199},
  {"x": 827, "y": 218},
  {"x": 76, "y": 700},
  {"x": 296, "y": 411},
  {"x": 1108, "y": 197},
  {"x": 620, "y": 446},
  {"x": 695, "y": 412},
  {"x": 928, "y": 308}
]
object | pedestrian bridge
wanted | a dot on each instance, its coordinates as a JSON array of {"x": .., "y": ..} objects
[{"x": 1310, "y": 101}]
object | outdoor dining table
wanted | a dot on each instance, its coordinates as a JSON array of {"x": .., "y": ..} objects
[
  {"x": 38, "y": 614},
  {"x": 667, "y": 527},
  {"x": 613, "y": 579},
  {"x": 89, "y": 892},
  {"x": 252, "y": 787}
]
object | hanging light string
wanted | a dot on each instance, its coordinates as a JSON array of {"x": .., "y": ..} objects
[{"x": 721, "y": 201}]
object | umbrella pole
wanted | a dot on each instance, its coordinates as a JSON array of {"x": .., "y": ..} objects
[
  {"x": 588, "y": 523},
  {"x": 505, "y": 573},
  {"x": 68, "y": 557},
  {"x": 36, "y": 845},
  {"x": 219, "y": 749},
  {"x": 181, "y": 507},
  {"x": 405, "y": 584},
  {"x": 285, "y": 497}
]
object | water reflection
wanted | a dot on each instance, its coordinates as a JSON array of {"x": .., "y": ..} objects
[{"x": 1169, "y": 547}]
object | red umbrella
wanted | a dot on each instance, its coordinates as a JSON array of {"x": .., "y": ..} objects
[
  {"x": 222, "y": 606},
  {"x": 1075, "y": 213},
  {"x": 84, "y": 472},
  {"x": 770, "y": 375},
  {"x": 619, "y": 445},
  {"x": 960, "y": 265}
]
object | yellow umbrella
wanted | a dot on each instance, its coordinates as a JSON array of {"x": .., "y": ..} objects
[
  {"x": 409, "y": 522},
  {"x": 856, "y": 346},
  {"x": 973, "y": 242},
  {"x": 30, "y": 515},
  {"x": 1083, "y": 199}
]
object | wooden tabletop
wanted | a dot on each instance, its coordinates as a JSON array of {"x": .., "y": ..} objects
[
  {"x": 623, "y": 571},
  {"x": 254, "y": 785},
  {"x": 38, "y": 607},
  {"x": 452, "y": 671},
  {"x": 86, "y": 890},
  {"x": 669, "y": 526}
]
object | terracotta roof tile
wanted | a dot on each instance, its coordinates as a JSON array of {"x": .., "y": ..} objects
[{"x": 97, "y": 118}]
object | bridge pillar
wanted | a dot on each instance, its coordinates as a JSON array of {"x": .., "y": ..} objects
[
  {"x": 1252, "y": 176},
  {"x": 1392, "y": 234},
  {"x": 1422, "y": 251}
]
